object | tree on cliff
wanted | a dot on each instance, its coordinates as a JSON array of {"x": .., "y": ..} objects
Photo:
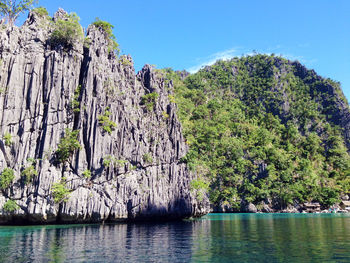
[{"x": 11, "y": 9}]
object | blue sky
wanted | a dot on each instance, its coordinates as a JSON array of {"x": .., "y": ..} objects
[{"x": 187, "y": 34}]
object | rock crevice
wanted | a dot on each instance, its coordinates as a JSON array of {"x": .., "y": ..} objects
[{"x": 44, "y": 91}]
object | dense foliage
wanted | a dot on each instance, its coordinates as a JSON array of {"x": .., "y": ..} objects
[
  {"x": 87, "y": 174},
  {"x": 10, "y": 206},
  {"x": 105, "y": 122},
  {"x": 41, "y": 11},
  {"x": 68, "y": 144},
  {"x": 6, "y": 178},
  {"x": 7, "y": 139},
  {"x": 262, "y": 129},
  {"x": 67, "y": 31},
  {"x": 29, "y": 173},
  {"x": 11, "y": 9},
  {"x": 60, "y": 191}
]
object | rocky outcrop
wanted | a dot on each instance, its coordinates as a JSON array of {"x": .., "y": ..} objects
[
  {"x": 248, "y": 207},
  {"x": 45, "y": 90}
]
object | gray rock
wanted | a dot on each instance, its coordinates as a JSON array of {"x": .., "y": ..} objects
[
  {"x": 251, "y": 208},
  {"x": 345, "y": 197},
  {"x": 38, "y": 87},
  {"x": 223, "y": 208},
  {"x": 60, "y": 14},
  {"x": 248, "y": 207},
  {"x": 290, "y": 209},
  {"x": 266, "y": 209}
]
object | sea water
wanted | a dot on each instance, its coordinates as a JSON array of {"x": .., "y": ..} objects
[{"x": 212, "y": 238}]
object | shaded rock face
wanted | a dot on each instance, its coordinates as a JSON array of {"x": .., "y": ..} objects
[{"x": 45, "y": 90}]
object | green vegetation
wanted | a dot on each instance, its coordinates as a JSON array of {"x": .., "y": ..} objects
[
  {"x": 8, "y": 139},
  {"x": 147, "y": 158},
  {"x": 121, "y": 163},
  {"x": 87, "y": 174},
  {"x": 172, "y": 98},
  {"x": 124, "y": 60},
  {"x": 108, "y": 30},
  {"x": 165, "y": 115},
  {"x": 149, "y": 100},
  {"x": 200, "y": 187},
  {"x": 60, "y": 192},
  {"x": 256, "y": 137},
  {"x": 6, "y": 178},
  {"x": 10, "y": 206},
  {"x": 29, "y": 173},
  {"x": 67, "y": 31},
  {"x": 108, "y": 161},
  {"x": 41, "y": 11},
  {"x": 87, "y": 42},
  {"x": 11, "y": 9},
  {"x": 68, "y": 144},
  {"x": 31, "y": 160},
  {"x": 104, "y": 121},
  {"x": 75, "y": 104}
]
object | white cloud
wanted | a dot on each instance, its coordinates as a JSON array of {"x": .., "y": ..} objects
[
  {"x": 237, "y": 52},
  {"x": 210, "y": 60}
]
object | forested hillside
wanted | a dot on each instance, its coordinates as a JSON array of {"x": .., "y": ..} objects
[{"x": 264, "y": 130}]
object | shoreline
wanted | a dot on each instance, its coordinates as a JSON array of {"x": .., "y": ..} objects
[{"x": 154, "y": 221}]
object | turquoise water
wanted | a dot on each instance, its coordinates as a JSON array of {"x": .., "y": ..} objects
[{"x": 213, "y": 238}]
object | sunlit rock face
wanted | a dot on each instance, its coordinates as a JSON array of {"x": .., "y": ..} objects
[{"x": 135, "y": 165}]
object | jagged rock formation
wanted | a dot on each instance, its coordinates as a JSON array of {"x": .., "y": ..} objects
[{"x": 46, "y": 89}]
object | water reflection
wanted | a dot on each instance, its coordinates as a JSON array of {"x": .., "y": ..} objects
[
  {"x": 214, "y": 238},
  {"x": 164, "y": 242},
  {"x": 273, "y": 238}
]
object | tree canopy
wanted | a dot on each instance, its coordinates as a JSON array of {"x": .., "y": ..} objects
[
  {"x": 11, "y": 9},
  {"x": 260, "y": 132}
]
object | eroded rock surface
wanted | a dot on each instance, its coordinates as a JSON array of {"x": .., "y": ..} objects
[{"x": 46, "y": 89}]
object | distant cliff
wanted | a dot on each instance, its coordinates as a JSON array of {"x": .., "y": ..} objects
[{"x": 84, "y": 139}]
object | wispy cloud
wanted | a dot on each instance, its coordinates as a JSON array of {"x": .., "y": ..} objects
[
  {"x": 210, "y": 60},
  {"x": 237, "y": 52},
  {"x": 306, "y": 61}
]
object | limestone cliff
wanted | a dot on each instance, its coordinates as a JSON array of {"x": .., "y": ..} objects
[{"x": 46, "y": 89}]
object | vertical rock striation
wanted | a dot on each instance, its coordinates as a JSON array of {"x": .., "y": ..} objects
[{"x": 45, "y": 90}]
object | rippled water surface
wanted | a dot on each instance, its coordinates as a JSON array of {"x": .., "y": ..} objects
[{"x": 213, "y": 238}]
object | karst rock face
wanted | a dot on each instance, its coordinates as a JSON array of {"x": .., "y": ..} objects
[{"x": 48, "y": 89}]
